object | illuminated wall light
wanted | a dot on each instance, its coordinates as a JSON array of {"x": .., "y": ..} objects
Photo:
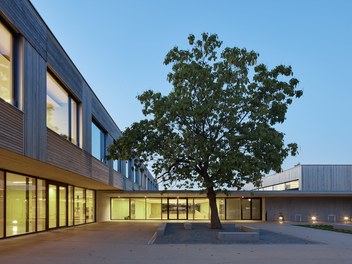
[
  {"x": 313, "y": 218},
  {"x": 346, "y": 219}
]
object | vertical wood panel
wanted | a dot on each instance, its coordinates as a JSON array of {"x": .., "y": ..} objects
[{"x": 34, "y": 90}]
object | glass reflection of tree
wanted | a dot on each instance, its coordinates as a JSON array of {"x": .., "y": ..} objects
[{"x": 49, "y": 117}]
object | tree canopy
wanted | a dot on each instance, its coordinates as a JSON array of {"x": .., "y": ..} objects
[{"x": 216, "y": 129}]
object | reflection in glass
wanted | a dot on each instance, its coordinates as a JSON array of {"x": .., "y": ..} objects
[
  {"x": 41, "y": 203},
  {"x": 90, "y": 212},
  {"x": 98, "y": 143},
  {"x": 164, "y": 209},
  {"x": 153, "y": 208},
  {"x": 233, "y": 209},
  {"x": 62, "y": 206},
  {"x": 2, "y": 188},
  {"x": 6, "y": 43},
  {"x": 52, "y": 206},
  {"x": 120, "y": 209},
  {"x": 20, "y": 204},
  {"x": 79, "y": 206},
  {"x": 256, "y": 209},
  {"x": 201, "y": 208},
  {"x": 246, "y": 209},
  {"x": 220, "y": 203},
  {"x": 182, "y": 209},
  {"x": 70, "y": 205},
  {"x": 137, "y": 208},
  {"x": 173, "y": 209},
  {"x": 57, "y": 107}
]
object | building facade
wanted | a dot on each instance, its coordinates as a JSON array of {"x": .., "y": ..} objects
[{"x": 54, "y": 132}]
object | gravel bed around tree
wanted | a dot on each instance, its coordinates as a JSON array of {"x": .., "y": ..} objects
[{"x": 202, "y": 234}]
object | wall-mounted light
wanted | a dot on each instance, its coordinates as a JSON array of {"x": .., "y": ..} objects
[
  {"x": 346, "y": 219},
  {"x": 281, "y": 219},
  {"x": 314, "y": 219}
]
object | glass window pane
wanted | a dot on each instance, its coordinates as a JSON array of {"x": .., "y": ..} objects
[
  {"x": 6, "y": 90},
  {"x": 182, "y": 209},
  {"x": 246, "y": 209},
  {"x": 56, "y": 107},
  {"x": 256, "y": 209},
  {"x": 74, "y": 122},
  {"x": 120, "y": 209},
  {"x": 52, "y": 206},
  {"x": 2, "y": 188},
  {"x": 137, "y": 209},
  {"x": 70, "y": 206},
  {"x": 90, "y": 206},
  {"x": 220, "y": 203},
  {"x": 164, "y": 209},
  {"x": 201, "y": 208},
  {"x": 96, "y": 142},
  {"x": 62, "y": 206},
  {"x": 41, "y": 209},
  {"x": 153, "y": 208},
  {"x": 190, "y": 209},
  {"x": 79, "y": 206},
  {"x": 233, "y": 209},
  {"x": 20, "y": 204}
]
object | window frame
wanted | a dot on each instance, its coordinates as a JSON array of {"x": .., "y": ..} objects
[{"x": 70, "y": 100}]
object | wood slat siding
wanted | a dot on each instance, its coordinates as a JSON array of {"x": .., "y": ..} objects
[
  {"x": 100, "y": 171},
  {"x": 63, "y": 67},
  {"x": 330, "y": 178},
  {"x": 23, "y": 17},
  {"x": 34, "y": 84},
  {"x": 64, "y": 154},
  {"x": 86, "y": 118},
  {"x": 119, "y": 181},
  {"x": 11, "y": 128},
  {"x": 103, "y": 117}
]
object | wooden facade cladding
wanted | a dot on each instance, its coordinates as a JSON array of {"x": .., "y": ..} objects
[
  {"x": 64, "y": 154},
  {"x": 11, "y": 128},
  {"x": 24, "y": 131},
  {"x": 24, "y": 19},
  {"x": 34, "y": 97}
]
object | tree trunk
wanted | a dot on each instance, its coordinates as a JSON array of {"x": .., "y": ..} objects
[{"x": 214, "y": 215}]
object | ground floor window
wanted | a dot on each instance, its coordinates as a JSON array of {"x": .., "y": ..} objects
[
  {"x": 29, "y": 204},
  {"x": 184, "y": 208}
]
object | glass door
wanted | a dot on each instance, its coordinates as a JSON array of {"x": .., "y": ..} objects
[
  {"x": 182, "y": 209},
  {"x": 172, "y": 209},
  {"x": 57, "y": 205}
]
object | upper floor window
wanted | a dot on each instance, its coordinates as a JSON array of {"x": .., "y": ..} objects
[
  {"x": 98, "y": 142},
  {"x": 61, "y": 111},
  {"x": 6, "y": 64}
]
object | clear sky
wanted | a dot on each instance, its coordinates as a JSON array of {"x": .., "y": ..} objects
[{"x": 119, "y": 47}]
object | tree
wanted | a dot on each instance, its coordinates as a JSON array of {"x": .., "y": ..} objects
[{"x": 216, "y": 129}]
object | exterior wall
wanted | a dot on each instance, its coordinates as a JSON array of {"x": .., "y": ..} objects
[
  {"x": 23, "y": 128},
  {"x": 301, "y": 209},
  {"x": 286, "y": 176},
  {"x": 327, "y": 178}
]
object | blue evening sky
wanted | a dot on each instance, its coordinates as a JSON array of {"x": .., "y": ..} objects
[{"x": 119, "y": 47}]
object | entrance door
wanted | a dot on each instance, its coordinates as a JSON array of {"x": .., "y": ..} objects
[
  {"x": 57, "y": 205},
  {"x": 177, "y": 209}
]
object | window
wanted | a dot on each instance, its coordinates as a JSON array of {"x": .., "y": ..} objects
[
  {"x": 6, "y": 64},
  {"x": 98, "y": 142},
  {"x": 61, "y": 111}
]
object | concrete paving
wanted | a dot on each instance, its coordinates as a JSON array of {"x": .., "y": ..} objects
[{"x": 127, "y": 242}]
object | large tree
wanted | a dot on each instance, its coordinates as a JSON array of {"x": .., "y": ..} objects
[{"x": 216, "y": 129}]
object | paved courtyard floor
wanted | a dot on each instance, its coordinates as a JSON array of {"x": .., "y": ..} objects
[{"x": 127, "y": 242}]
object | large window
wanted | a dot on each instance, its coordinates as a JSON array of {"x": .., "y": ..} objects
[
  {"x": 90, "y": 206},
  {"x": 61, "y": 111},
  {"x": 20, "y": 204},
  {"x": 6, "y": 64},
  {"x": 98, "y": 142},
  {"x": 79, "y": 206}
]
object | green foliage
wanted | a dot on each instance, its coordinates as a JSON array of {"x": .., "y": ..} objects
[{"x": 215, "y": 129}]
